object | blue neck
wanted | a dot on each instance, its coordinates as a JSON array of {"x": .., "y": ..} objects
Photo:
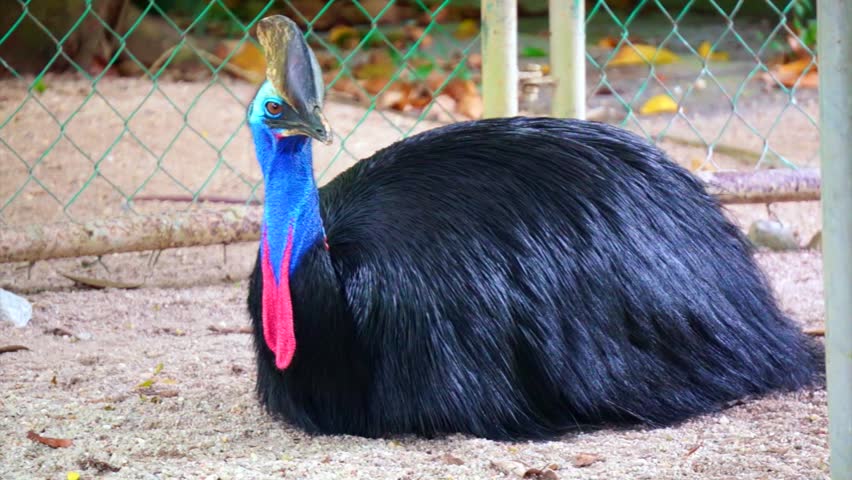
[{"x": 291, "y": 197}]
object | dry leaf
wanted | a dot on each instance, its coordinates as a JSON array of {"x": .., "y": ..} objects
[
  {"x": 12, "y": 348},
  {"x": 659, "y": 104},
  {"x": 474, "y": 60},
  {"x": 586, "y": 459},
  {"x": 375, "y": 71},
  {"x": 640, "y": 54},
  {"x": 467, "y": 29},
  {"x": 228, "y": 330},
  {"x": 344, "y": 36},
  {"x": 705, "y": 50},
  {"x": 99, "y": 465},
  {"x": 451, "y": 459},
  {"x": 539, "y": 474},
  {"x": 59, "y": 332},
  {"x": 792, "y": 74},
  {"x": 413, "y": 33},
  {"x": 50, "y": 442},
  {"x": 608, "y": 42},
  {"x": 247, "y": 57},
  {"x": 466, "y": 95},
  {"x": 155, "y": 392},
  {"x": 693, "y": 449}
]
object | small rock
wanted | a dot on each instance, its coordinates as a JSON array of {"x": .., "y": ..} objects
[
  {"x": 772, "y": 235},
  {"x": 15, "y": 309},
  {"x": 84, "y": 336}
]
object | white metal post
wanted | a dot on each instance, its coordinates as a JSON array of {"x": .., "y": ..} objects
[
  {"x": 834, "y": 44},
  {"x": 500, "y": 58},
  {"x": 568, "y": 57}
]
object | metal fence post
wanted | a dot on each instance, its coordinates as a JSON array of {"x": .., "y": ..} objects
[
  {"x": 567, "y": 25},
  {"x": 500, "y": 58},
  {"x": 835, "y": 92}
]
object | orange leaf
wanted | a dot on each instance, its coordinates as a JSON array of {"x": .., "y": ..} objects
[
  {"x": 608, "y": 42},
  {"x": 793, "y": 73},
  {"x": 50, "y": 442},
  {"x": 586, "y": 459}
]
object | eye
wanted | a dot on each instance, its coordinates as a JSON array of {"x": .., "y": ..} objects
[{"x": 273, "y": 109}]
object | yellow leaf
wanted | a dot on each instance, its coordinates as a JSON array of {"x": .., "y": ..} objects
[
  {"x": 468, "y": 28},
  {"x": 705, "y": 50},
  {"x": 639, "y": 54},
  {"x": 158, "y": 368},
  {"x": 72, "y": 476},
  {"x": 344, "y": 36},
  {"x": 658, "y": 104},
  {"x": 146, "y": 383}
]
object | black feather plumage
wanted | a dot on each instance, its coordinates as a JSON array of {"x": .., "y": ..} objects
[{"x": 521, "y": 278}]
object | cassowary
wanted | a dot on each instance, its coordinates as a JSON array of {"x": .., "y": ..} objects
[{"x": 506, "y": 278}]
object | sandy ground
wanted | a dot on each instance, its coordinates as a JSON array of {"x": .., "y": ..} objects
[{"x": 198, "y": 419}]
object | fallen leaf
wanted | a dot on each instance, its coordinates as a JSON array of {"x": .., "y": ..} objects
[
  {"x": 539, "y": 474},
  {"x": 451, "y": 459},
  {"x": 608, "y": 42},
  {"x": 344, "y": 36},
  {"x": 158, "y": 368},
  {"x": 707, "y": 53},
  {"x": 475, "y": 61},
  {"x": 693, "y": 449},
  {"x": 50, "y": 442},
  {"x": 156, "y": 392},
  {"x": 72, "y": 476},
  {"x": 467, "y": 97},
  {"x": 793, "y": 74},
  {"x": 586, "y": 459},
  {"x": 228, "y": 330},
  {"x": 146, "y": 383},
  {"x": 701, "y": 165},
  {"x": 414, "y": 32},
  {"x": 99, "y": 465},
  {"x": 658, "y": 104},
  {"x": 59, "y": 332},
  {"x": 12, "y": 348},
  {"x": 244, "y": 55},
  {"x": 468, "y": 28},
  {"x": 641, "y": 54}
]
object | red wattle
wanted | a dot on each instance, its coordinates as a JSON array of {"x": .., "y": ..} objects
[{"x": 277, "y": 306}]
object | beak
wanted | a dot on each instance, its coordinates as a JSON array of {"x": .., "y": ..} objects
[
  {"x": 321, "y": 130},
  {"x": 294, "y": 73}
]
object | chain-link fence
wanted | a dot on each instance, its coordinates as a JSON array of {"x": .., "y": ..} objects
[{"x": 110, "y": 107}]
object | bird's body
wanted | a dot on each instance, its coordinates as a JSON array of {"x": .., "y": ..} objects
[
  {"x": 520, "y": 278},
  {"x": 505, "y": 278}
]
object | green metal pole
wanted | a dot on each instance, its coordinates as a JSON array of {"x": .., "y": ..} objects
[
  {"x": 835, "y": 91},
  {"x": 567, "y": 25},
  {"x": 500, "y": 58}
]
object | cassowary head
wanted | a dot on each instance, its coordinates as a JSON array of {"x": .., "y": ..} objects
[{"x": 289, "y": 103}]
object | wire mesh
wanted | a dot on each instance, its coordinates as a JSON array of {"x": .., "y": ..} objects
[{"x": 148, "y": 119}]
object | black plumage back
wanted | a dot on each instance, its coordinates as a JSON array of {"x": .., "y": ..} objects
[{"x": 521, "y": 278}]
